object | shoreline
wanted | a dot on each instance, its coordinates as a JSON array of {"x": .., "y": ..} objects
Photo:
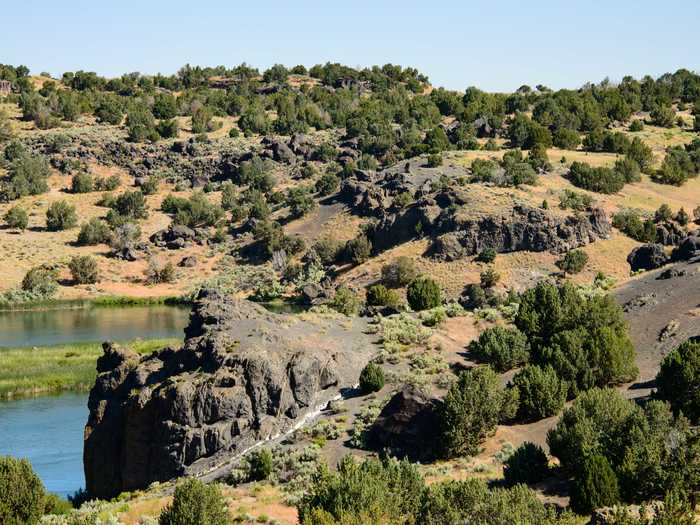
[{"x": 106, "y": 301}]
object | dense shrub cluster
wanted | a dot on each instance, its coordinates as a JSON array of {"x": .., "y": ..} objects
[{"x": 503, "y": 348}]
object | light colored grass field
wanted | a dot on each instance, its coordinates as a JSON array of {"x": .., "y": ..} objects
[{"x": 34, "y": 370}]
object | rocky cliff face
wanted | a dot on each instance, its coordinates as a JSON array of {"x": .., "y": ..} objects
[{"x": 242, "y": 375}]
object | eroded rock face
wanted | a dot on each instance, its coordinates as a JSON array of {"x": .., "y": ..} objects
[{"x": 242, "y": 375}]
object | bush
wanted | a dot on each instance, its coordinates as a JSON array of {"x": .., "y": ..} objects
[
  {"x": 399, "y": 272},
  {"x": 487, "y": 255},
  {"x": 594, "y": 486},
  {"x": 196, "y": 503},
  {"x": 636, "y": 125},
  {"x": 641, "y": 154},
  {"x": 168, "y": 129},
  {"x": 503, "y": 348},
  {"x": 84, "y": 269},
  {"x": 260, "y": 464},
  {"x": 601, "y": 180},
  {"x": 109, "y": 184},
  {"x": 327, "y": 184},
  {"x": 423, "y": 293},
  {"x": 472, "y": 408},
  {"x": 678, "y": 380},
  {"x": 489, "y": 278},
  {"x": 28, "y": 174},
  {"x": 628, "y": 169},
  {"x": 95, "y": 231},
  {"x": 358, "y": 250},
  {"x": 141, "y": 125},
  {"x": 158, "y": 272},
  {"x": 22, "y": 496},
  {"x": 131, "y": 205},
  {"x": 380, "y": 295},
  {"x": 61, "y": 216},
  {"x": 197, "y": 211},
  {"x": 300, "y": 201},
  {"x": 542, "y": 394},
  {"x": 630, "y": 223},
  {"x": 40, "y": 281},
  {"x": 434, "y": 160},
  {"x": 573, "y": 262},
  {"x": 328, "y": 250},
  {"x": 16, "y": 217},
  {"x": 528, "y": 464},
  {"x": 566, "y": 138},
  {"x": 371, "y": 378},
  {"x": 346, "y": 301}
]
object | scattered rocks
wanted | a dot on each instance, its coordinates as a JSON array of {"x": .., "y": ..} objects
[
  {"x": 174, "y": 237},
  {"x": 687, "y": 249},
  {"x": 671, "y": 273},
  {"x": 669, "y": 330},
  {"x": 647, "y": 257}
]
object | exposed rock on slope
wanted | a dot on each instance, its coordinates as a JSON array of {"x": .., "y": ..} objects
[{"x": 243, "y": 375}]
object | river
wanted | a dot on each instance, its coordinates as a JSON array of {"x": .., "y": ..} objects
[{"x": 48, "y": 430}]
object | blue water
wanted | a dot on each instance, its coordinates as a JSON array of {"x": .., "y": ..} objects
[{"x": 48, "y": 431}]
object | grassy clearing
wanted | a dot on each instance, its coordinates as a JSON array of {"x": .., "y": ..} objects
[{"x": 33, "y": 370}]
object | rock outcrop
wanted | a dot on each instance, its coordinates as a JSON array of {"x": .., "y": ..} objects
[
  {"x": 647, "y": 257},
  {"x": 242, "y": 375}
]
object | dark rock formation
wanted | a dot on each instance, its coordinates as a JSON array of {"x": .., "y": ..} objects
[
  {"x": 174, "y": 237},
  {"x": 242, "y": 375},
  {"x": 669, "y": 233},
  {"x": 407, "y": 426},
  {"x": 687, "y": 249},
  {"x": 189, "y": 261},
  {"x": 647, "y": 257}
]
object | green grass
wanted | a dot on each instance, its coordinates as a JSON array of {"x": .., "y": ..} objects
[
  {"x": 101, "y": 301},
  {"x": 42, "y": 370}
]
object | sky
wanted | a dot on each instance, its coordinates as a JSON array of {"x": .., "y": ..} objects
[{"x": 494, "y": 45}]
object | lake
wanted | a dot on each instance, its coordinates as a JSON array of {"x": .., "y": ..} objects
[
  {"x": 48, "y": 431},
  {"x": 50, "y": 327}
]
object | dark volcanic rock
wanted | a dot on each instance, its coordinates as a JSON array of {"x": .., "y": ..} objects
[
  {"x": 188, "y": 262},
  {"x": 669, "y": 233},
  {"x": 175, "y": 236},
  {"x": 242, "y": 375},
  {"x": 687, "y": 249},
  {"x": 647, "y": 257},
  {"x": 407, "y": 425}
]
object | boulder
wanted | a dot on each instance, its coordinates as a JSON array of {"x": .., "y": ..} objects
[
  {"x": 188, "y": 262},
  {"x": 282, "y": 153},
  {"x": 174, "y": 237},
  {"x": 647, "y": 257},
  {"x": 687, "y": 249},
  {"x": 243, "y": 375},
  {"x": 406, "y": 426}
]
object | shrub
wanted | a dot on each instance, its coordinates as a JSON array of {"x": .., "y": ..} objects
[
  {"x": 628, "y": 169},
  {"x": 195, "y": 502},
  {"x": 131, "y": 205},
  {"x": 503, "y": 348},
  {"x": 28, "y": 174},
  {"x": 380, "y": 295},
  {"x": 159, "y": 272},
  {"x": 82, "y": 183},
  {"x": 434, "y": 160},
  {"x": 140, "y": 124},
  {"x": 399, "y": 272},
  {"x": 542, "y": 394},
  {"x": 538, "y": 159},
  {"x": 346, "y": 301},
  {"x": 641, "y": 154},
  {"x": 22, "y": 497},
  {"x": 682, "y": 217},
  {"x": 84, "y": 269},
  {"x": 371, "y": 378},
  {"x": 95, "y": 231},
  {"x": 41, "y": 281},
  {"x": 601, "y": 180},
  {"x": 328, "y": 250},
  {"x": 573, "y": 262},
  {"x": 594, "y": 486},
  {"x": 487, "y": 255},
  {"x": 566, "y": 138},
  {"x": 109, "y": 184},
  {"x": 662, "y": 116},
  {"x": 61, "y": 216},
  {"x": 471, "y": 409},
  {"x": 423, "y": 293},
  {"x": 16, "y": 217},
  {"x": 358, "y": 249},
  {"x": 300, "y": 201},
  {"x": 630, "y": 223},
  {"x": 168, "y": 128},
  {"x": 528, "y": 464},
  {"x": 197, "y": 211},
  {"x": 678, "y": 379},
  {"x": 636, "y": 125},
  {"x": 489, "y": 278},
  {"x": 260, "y": 464},
  {"x": 569, "y": 199},
  {"x": 327, "y": 184},
  {"x": 474, "y": 296}
]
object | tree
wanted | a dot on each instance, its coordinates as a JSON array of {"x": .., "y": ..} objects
[
  {"x": 503, "y": 348},
  {"x": 628, "y": 169},
  {"x": 472, "y": 408},
  {"x": 542, "y": 394},
  {"x": 641, "y": 154},
  {"x": 28, "y": 173},
  {"x": 95, "y": 231},
  {"x": 300, "y": 201},
  {"x": 60, "y": 216},
  {"x": 594, "y": 486},
  {"x": 17, "y": 217},
  {"x": 682, "y": 217},
  {"x": 140, "y": 124},
  {"x": 260, "y": 465},
  {"x": 22, "y": 496},
  {"x": 423, "y": 293},
  {"x": 678, "y": 379},
  {"x": 371, "y": 378},
  {"x": 573, "y": 262},
  {"x": 327, "y": 184},
  {"x": 399, "y": 272},
  {"x": 566, "y": 138},
  {"x": 528, "y": 464},
  {"x": 600, "y": 179},
  {"x": 84, "y": 269},
  {"x": 196, "y": 503}
]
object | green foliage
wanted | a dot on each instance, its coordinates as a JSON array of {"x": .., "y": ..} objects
[
  {"x": 472, "y": 408},
  {"x": 503, "y": 348},
  {"x": 16, "y": 217},
  {"x": 628, "y": 169},
  {"x": 575, "y": 200},
  {"x": 566, "y": 138},
  {"x": 82, "y": 183},
  {"x": 538, "y": 158},
  {"x": 636, "y": 125},
  {"x": 40, "y": 281},
  {"x": 22, "y": 497},
  {"x": 195, "y": 503},
  {"x": 434, "y": 160},
  {"x": 584, "y": 339},
  {"x": 130, "y": 205},
  {"x": 380, "y": 295},
  {"x": 371, "y": 378},
  {"x": 542, "y": 394},
  {"x": 197, "y": 211},
  {"x": 327, "y": 184},
  {"x": 528, "y": 464},
  {"x": 358, "y": 250},
  {"x": 631, "y": 224},
  {"x": 158, "y": 272},
  {"x": 663, "y": 116},
  {"x": 641, "y": 154},
  {"x": 676, "y": 168},
  {"x": 300, "y": 201},
  {"x": 84, "y": 269},
  {"x": 423, "y": 293},
  {"x": 60, "y": 216},
  {"x": 164, "y": 106},
  {"x": 168, "y": 128},
  {"x": 254, "y": 120},
  {"x": 95, "y": 231},
  {"x": 27, "y": 174},
  {"x": 595, "y": 485},
  {"x": 260, "y": 464},
  {"x": 399, "y": 272},
  {"x": 487, "y": 255},
  {"x": 573, "y": 262},
  {"x": 346, "y": 301},
  {"x": 489, "y": 278},
  {"x": 601, "y": 180},
  {"x": 140, "y": 124},
  {"x": 678, "y": 380}
]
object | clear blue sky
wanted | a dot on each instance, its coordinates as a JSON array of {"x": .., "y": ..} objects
[{"x": 495, "y": 45}]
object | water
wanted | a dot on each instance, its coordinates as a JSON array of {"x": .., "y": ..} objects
[
  {"x": 48, "y": 431},
  {"x": 50, "y": 327}
]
